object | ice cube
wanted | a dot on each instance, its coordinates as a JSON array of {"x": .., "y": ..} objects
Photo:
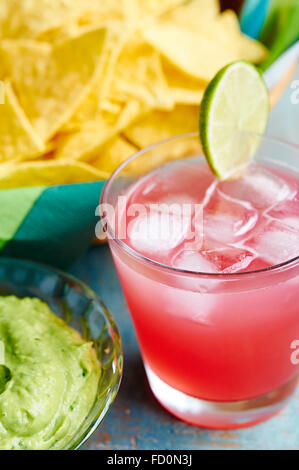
[
  {"x": 291, "y": 221},
  {"x": 157, "y": 231},
  {"x": 193, "y": 261},
  {"x": 217, "y": 259},
  {"x": 260, "y": 187},
  {"x": 177, "y": 182},
  {"x": 178, "y": 200},
  {"x": 229, "y": 259},
  {"x": 226, "y": 220},
  {"x": 287, "y": 213},
  {"x": 275, "y": 242},
  {"x": 196, "y": 262}
]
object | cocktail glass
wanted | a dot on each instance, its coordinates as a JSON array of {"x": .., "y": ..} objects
[{"x": 218, "y": 349}]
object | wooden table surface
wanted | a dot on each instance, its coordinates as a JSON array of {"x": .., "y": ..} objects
[{"x": 136, "y": 420}]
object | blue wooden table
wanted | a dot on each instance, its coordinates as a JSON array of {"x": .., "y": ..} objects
[{"x": 136, "y": 420}]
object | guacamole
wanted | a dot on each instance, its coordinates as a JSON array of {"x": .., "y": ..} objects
[{"x": 49, "y": 380}]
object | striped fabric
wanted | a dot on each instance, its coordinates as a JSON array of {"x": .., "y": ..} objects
[
  {"x": 53, "y": 225},
  {"x": 15, "y": 204},
  {"x": 252, "y": 17}
]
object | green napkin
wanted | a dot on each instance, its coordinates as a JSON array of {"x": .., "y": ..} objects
[{"x": 53, "y": 225}]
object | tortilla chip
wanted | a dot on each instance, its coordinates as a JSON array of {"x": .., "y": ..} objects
[
  {"x": 223, "y": 28},
  {"x": 51, "y": 87},
  {"x": 110, "y": 107},
  {"x": 113, "y": 154},
  {"x": 160, "y": 125},
  {"x": 2, "y": 93},
  {"x": 139, "y": 75},
  {"x": 183, "y": 88},
  {"x": 192, "y": 53},
  {"x": 95, "y": 12},
  {"x": 84, "y": 143},
  {"x": 17, "y": 137},
  {"x": 90, "y": 109},
  {"x": 30, "y": 17},
  {"x": 12, "y": 52},
  {"x": 36, "y": 18},
  {"x": 147, "y": 9},
  {"x": 200, "y": 43},
  {"x": 51, "y": 172},
  {"x": 195, "y": 15},
  {"x": 99, "y": 119},
  {"x": 248, "y": 48}
]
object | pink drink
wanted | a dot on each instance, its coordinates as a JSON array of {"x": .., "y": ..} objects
[{"x": 221, "y": 336}]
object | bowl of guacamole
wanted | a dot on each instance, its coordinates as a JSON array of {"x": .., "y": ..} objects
[{"x": 60, "y": 358}]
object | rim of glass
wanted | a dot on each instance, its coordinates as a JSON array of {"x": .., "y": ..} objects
[
  {"x": 79, "y": 439},
  {"x": 166, "y": 267}
]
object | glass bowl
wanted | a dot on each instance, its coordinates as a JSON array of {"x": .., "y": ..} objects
[{"x": 82, "y": 309}]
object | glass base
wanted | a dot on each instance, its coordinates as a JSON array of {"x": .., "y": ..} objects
[{"x": 220, "y": 415}]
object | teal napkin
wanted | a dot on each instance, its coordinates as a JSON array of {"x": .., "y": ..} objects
[{"x": 53, "y": 225}]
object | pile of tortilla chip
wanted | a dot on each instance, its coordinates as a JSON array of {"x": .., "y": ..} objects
[{"x": 86, "y": 83}]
